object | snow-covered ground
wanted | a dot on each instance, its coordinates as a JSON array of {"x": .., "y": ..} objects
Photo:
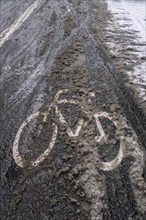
[{"x": 128, "y": 36}]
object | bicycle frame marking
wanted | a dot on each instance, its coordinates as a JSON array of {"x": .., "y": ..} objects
[
  {"x": 68, "y": 130},
  {"x": 102, "y": 165}
]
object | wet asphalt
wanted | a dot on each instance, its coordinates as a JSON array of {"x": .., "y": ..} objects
[{"x": 57, "y": 48}]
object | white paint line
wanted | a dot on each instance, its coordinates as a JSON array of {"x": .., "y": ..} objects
[
  {"x": 21, "y": 162},
  {"x": 69, "y": 131},
  {"x": 62, "y": 119},
  {"x": 68, "y": 8},
  {"x": 117, "y": 160},
  {"x": 4, "y": 36},
  {"x": 16, "y": 155},
  {"x": 101, "y": 131},
  {"x": 59, "y": 93},
  {"x": 47, "y": 151}
]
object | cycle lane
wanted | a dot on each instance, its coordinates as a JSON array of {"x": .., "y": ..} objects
[
  {"x": 66, "y": 178},
  {"x": 105, "y": 96}
]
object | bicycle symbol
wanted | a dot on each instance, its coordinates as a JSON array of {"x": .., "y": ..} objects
[{"x": 21, "y": 162}]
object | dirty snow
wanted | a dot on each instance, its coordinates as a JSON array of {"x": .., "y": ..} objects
[{"x": 130, "y": 18}]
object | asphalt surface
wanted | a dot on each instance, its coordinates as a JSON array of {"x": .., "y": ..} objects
[{"x": 54, "y": 49}]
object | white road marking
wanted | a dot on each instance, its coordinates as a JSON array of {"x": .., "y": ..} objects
[
  {"x": 68, "y": 8},
  {"x": 4, "y": 36},
  {"x": 21, "y": 162},
  {"x": 102, "y": 165},
  {"x": 117, "y": 160},
  {"x": 62, "y": 120}
]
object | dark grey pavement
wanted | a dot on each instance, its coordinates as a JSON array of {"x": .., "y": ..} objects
[{"x": 56, "y": 48}]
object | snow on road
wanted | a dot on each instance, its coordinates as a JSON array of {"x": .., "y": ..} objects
[{"x": 130, "y": 18}]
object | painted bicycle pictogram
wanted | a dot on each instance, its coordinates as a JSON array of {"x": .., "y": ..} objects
[{"x": 21, "y": 162}]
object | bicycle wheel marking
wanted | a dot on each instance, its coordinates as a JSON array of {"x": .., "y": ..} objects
[
  {"x": 117, "y": 160},
  {"x": 47, "y": 151},
  {"x": 16, "y": 155}
]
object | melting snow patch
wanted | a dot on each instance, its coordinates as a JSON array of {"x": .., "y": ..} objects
[{"x": 126, "y": 36}]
